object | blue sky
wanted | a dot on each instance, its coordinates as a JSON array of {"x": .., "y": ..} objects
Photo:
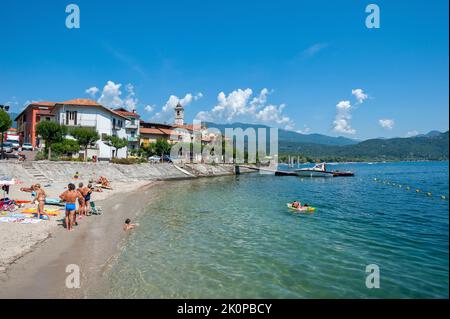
[{"x": 283, "y": 63}]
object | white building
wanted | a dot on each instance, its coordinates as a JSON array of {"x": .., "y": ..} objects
[
  {"x": 90, "y": 114},
  {"x": 132, "y": 127}
]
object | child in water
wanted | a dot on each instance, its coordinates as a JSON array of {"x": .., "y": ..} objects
[{"x": 128, "y": 225}]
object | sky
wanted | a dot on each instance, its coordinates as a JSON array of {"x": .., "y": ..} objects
[{"x": 306, "y": 66}]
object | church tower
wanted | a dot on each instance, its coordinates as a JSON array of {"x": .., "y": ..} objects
[{"x": 179, "y": 114}]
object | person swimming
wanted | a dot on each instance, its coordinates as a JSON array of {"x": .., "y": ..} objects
[
  {"x": 128, "y": 225},
  {"x": 296, "y": 204}
]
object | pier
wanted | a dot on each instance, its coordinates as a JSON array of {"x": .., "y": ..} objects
[{"x": 263, "y": 169}]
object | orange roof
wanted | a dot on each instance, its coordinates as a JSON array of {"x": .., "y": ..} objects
[
  {"x": 49, "y": 105},
  {"x": 123, "y": 112},
  {"x": 86, "y": 102},
  {"x": 43, "y": 103},
  {"x": 144, "y": 130},
  {"x": 169, "y": 131}
]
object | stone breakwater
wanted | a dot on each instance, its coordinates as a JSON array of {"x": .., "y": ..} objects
[{"x": 47, "y": 171}]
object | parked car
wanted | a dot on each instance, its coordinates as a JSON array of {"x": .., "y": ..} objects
[
  {"x": 7, "y": 147},
  {"x": 154, "y": 159},
  {"x": 27, "y": 147},
  {"x": 166, "y": 158},
  {"x": 15, "y": 144}
]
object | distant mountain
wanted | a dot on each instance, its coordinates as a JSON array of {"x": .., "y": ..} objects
[
  {"x": 430, "y": 134},
  {"x": 290, "y": 136},
  {"x": 13, "y": 117},
  {"x": 428, "y": 147}
]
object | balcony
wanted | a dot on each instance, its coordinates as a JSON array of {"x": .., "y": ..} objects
[{"x": 132, "y": 139}]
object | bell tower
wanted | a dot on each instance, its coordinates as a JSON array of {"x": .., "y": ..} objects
[{"x": 179, "y": 114}]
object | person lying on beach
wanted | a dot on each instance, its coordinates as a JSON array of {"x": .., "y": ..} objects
[
  {"x": 70, "y": 196},
  {"x": 128, "y": 225},
  {"x": 103, "y": 181}
]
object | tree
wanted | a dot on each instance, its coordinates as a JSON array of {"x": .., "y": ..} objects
[
  {"x": 162, "y": 147},
  {"x": 85, "y": 137},
  {"x": 51, "y": 132},
  {"x": 5, "y": 124},
  {"x": 116, "y": 142},
  {"x": 66, "y": 147}
]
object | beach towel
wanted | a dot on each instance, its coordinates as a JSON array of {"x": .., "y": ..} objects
[{"x": 19, "y": 220}]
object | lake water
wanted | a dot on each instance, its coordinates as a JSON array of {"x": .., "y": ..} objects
[{"x": 233, "y": 237}]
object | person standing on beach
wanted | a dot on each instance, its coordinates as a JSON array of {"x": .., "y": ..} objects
[
  {"x": 87, "y": 199},
  {"x": 81, "y": 204},
  {"x": 70, "y": 197},
  {"x": 40, "y": 198}
]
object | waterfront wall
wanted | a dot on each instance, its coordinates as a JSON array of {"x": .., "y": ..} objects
[{"x": 65, "y": 171}]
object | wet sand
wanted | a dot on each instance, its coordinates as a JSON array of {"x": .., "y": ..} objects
[{"x": 92, "y": 246}]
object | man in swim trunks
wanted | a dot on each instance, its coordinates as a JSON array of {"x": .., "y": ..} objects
[
  {"x": 70, "y": 196},
  {"x": 296, "y": 204}
]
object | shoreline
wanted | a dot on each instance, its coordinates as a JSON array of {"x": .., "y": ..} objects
[{"x": 41, "y": 272}]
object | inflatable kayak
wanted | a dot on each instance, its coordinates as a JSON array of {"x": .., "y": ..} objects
[{"x": 302, "y": 209}]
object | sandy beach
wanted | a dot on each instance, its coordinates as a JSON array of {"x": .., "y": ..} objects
[{"x": 34, "y": 257}]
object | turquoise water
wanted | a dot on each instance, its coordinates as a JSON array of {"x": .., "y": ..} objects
[{"x": 232, "y": 237}]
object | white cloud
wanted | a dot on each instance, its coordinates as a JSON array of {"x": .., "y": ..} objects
[
  {"x": 167, "y": 111},
  {"x": 239, "y": 105},
  {"x": 305, "y": 130},
  {"x": 360, "y": 95},
  {"x": 343, "y": 105},
  {"x": 412, "y": 133},
  {"x": 130, "y": 101},
  {"x": 92, "y": 91},
  {"x": 387, "y": 124},
  {"x": 150, "y": 108},
  {"x": 342, "y": 124},
  {"x": 343, "y": 117},
  {"x": 110, "y": 96},
  {"x": 314, "y": 49}
]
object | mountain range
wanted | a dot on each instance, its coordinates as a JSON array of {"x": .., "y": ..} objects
[{"x": 319, "y": 147}]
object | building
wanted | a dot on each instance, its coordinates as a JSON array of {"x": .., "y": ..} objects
[
  {"x": 151, "y": 132},
  {"x": 132, "y": 127},
  {"x": 29, "y": 118},
  {"x": 90, "y": 114},
  {"x": 179, "y": 114}
]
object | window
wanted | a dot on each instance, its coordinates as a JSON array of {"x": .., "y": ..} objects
[{"x": 71, "y": 117}]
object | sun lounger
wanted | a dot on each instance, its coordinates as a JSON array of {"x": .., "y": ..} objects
[{"x": 97, "y": 210}]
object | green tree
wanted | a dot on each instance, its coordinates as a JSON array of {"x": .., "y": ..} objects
[
  {"x": 51, "y": 132},
  {"x": 66, "y": 147},
  {"x": 5, "y": 124},
  {"x": 162, "y": 147},
  {"x": 85, "y": 137},
  {"x": 116, "y": 142}
]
